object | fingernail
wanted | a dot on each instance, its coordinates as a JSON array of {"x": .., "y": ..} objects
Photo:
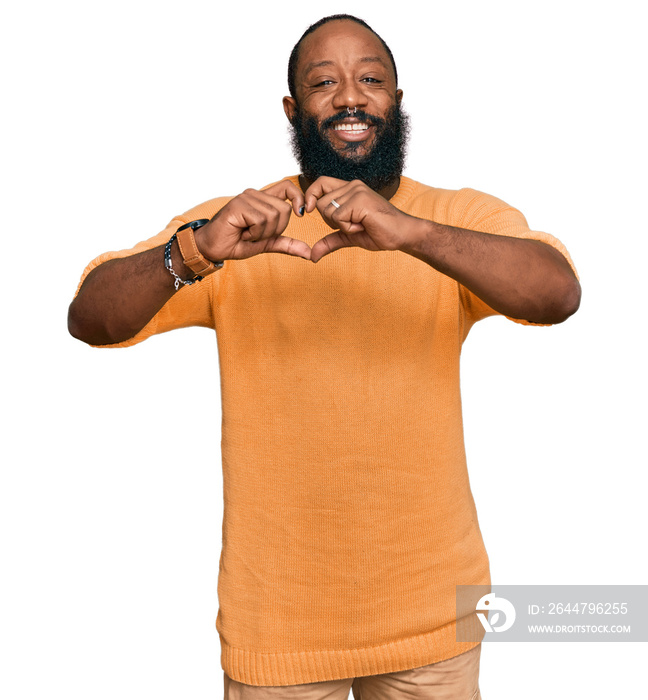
[{"x": 301, "y": 210}]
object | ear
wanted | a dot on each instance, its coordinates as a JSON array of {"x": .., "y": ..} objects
[
  {"x": 399, "y": 96},
  {"x": 290, "y": 107}
]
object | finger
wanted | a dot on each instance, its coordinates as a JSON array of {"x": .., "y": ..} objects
[
  {"x": 287, "y": 190},
  {"x": 257, "y": 220},
  {"x": 338, "y": 212},
  {"x": 330, "y": 205},
  {"x": 289, "y": 246},
  {"x": 322, "y": 186},
  {"x": 268, "y": 215},
  {"x": 278, "y": 244},
  {"x": 331, "y": 242}
]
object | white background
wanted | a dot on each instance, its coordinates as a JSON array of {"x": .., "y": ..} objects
[{"x": 118, "y": 116}]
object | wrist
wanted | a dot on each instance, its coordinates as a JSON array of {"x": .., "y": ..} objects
[
  {"x": 422, "y": 236},
  {"x": 182, "y": 267},
  {"x": 178, "y": 263},
  {"x": 203, "y": 237},
  {"x": 192, "y": 256}
]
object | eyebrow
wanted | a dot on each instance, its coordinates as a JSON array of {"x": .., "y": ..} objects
[{"x": 322, "y": 64}]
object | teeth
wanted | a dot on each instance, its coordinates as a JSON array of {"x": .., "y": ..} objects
[{"x": 351, "y": 127}]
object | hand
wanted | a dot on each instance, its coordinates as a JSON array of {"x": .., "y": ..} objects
[
  {"x": 252, "y": 223},
  {"x": 363, "y": 219}
]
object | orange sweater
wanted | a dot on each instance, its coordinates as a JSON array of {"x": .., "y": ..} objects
[{"x": 348, "y": 515}]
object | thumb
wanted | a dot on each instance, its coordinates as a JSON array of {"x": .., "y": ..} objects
[{"x": 330, "y": 242}]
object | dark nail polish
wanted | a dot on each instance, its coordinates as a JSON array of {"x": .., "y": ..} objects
[{"x": 301, "y": 211}]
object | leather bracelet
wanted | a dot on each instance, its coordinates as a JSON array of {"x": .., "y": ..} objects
[
  {"x": 191, "y": 256},
  {"x": 168, "y": 265}
]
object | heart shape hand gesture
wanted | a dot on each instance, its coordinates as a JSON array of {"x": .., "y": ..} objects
[
  {"x": 361, "y": 217},
  {"x": 254, "y": 221}
]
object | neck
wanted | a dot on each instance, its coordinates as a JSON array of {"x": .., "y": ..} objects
[{"x": 387, "y": 192}]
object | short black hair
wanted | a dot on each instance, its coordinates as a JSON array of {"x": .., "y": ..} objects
[{"x": 294, "y": 55}]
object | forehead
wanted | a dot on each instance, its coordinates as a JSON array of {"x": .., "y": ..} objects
[{"x": 342, "y": 43}]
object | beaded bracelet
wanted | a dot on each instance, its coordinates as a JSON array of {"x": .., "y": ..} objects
[{"x": 167, "y": 264}]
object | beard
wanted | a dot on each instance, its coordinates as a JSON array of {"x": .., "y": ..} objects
[{"x": 378, "y": 168}]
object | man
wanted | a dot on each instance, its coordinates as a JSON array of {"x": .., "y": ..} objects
[{"x": 348, "y": 517}]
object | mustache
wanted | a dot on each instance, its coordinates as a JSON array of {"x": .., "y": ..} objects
[{"x": 360, "y": 115}]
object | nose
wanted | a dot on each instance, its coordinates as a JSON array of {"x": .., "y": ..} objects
[{"x": 349, "y": 94}]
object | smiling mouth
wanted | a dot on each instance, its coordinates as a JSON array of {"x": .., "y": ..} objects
[
  {"x": 352, "y": 133},
  {"x": 360, "y": 126}
]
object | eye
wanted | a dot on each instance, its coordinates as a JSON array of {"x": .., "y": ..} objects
[
  {"x": 371, "y": 80},
  {"x": 323, "y": 83}
]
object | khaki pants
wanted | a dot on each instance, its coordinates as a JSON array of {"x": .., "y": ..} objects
[{"x": 453, "y": 679}]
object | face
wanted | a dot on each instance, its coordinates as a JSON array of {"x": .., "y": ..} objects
[{"x": 344, "y": 65}]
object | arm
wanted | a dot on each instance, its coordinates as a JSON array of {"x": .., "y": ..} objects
[
  {"x": 518, "y": 277},
  {"x": 119, "y": 297}
]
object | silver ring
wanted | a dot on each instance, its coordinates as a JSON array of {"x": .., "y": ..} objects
[
  {"x": 355, "y": 109},
  {"x": 335, "y": 204}
]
